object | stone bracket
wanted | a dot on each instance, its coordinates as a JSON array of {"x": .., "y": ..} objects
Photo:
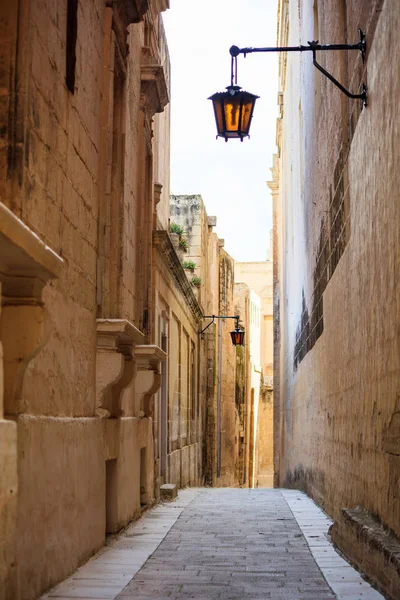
[
  {"x": 148, "y": 378},
  {"x": 26, "y": 264},
  {"x": 154, "y": 90},
  {"x": 115, "y": 365}
]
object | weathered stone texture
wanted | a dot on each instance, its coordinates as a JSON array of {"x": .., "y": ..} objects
[
  {"x": 339, "y": 399},
  {"x": 76, "y": 167}
]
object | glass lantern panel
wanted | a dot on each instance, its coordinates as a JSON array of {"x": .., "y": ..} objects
[
  {"x": 232, "y": 114},
  {"x": 218, "y": 115},
  {"x": 246, "y": 115}
]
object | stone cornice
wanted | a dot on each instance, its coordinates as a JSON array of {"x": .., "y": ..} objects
[{"x": 162, "y": 242}]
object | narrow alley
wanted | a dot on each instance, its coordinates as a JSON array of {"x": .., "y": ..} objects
[
  {"x": 199, "y": 340},
  {"x": 222, "y": 543}
]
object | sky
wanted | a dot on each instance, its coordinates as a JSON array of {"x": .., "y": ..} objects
[{"x": 231, "y": 177}]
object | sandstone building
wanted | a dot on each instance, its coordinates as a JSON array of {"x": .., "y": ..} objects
[
  {"x": 215, "y": 268},
  {"x": 254, "y": 280},
  {"x": 82, "y": 164},
  {"x": 336, "y": 270},
  {"x": 107, "y": 388}
]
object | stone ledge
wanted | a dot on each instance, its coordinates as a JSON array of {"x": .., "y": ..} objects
[
  {"x": 23, "y": 251},
  {"x": 371, "y": 546}
]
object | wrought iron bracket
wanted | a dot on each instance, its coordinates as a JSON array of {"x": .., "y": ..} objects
[
  {"x": 213, "y": 317},
  {"x": 314, "y": 47}
]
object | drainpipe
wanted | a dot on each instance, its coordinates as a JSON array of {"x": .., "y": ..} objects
[{"x": 219, "y": 400}]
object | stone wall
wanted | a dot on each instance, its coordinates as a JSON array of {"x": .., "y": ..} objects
[
  {"x": 182, "y": 393},
  {"x": 339, "y": 263},
  {"x": 215, "y": 294},
  {"x": 258, "y": 277},
  {"x": 76, "y": 162}
]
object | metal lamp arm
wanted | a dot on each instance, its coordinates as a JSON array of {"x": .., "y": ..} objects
[
  {"x": 362, "y": 96},
  {"x": 313, "y": 47},
  {"x": 213, "y": 317}
]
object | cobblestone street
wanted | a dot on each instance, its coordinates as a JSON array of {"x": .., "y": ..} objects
[{"x": 226, "y": 544}]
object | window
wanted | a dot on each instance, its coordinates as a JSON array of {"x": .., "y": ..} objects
[{"x": 72, "y": 31}]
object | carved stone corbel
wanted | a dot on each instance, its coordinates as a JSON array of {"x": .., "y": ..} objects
[
  {"x": 148, "y": 378},
  {"x": 154, "y": 95},
  {"x": 115, "y": 365},
  {"x": 26, "y": 264},
  {"x": 157, "y": 192}
]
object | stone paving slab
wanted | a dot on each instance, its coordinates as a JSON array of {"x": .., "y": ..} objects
[
  {"x": 105, "y": 575},
  {"x": 232, "y": 544},
  {"x": 227, "y": 544}
]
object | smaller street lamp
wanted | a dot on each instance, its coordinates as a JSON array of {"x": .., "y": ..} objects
[{"x": 237, "y": 335}]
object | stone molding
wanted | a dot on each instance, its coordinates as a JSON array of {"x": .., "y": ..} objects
[
  {"x": 148, "y": 360},
  {"x": 115, "y": 365},
  {"x": 162, "y": 242}
]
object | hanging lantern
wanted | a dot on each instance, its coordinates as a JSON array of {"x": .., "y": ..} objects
[
  {"x": 237, "y": 337},
  {"x": 233, "y": 111},
  {"x": 234, "y": 108}
]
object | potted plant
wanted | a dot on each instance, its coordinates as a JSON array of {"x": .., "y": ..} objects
[
  {"x": 175, "y": 228},
  {"x": 183, "y": 243},
  {"x": 196, "y": 281},
  {"x": 189, "y": 265}
]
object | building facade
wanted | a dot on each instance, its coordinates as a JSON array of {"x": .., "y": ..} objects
[
  {"x": 257, "y": 278},
  {"x": 81, "y": 84},
  {"x": 214, "y": 268},
  {"x": 335, "y": 185}
]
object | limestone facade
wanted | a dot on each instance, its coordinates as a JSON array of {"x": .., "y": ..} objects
[
  {"x": 336, "y": 281},
  {"x": 107, "y": 388},
  {"x": 215, "y": 268},
  {"x": 257, "y": 278},
  {"x": 80, "y": 151}
]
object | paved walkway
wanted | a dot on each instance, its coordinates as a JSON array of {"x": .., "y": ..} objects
[{"x": 227, "y": 544}]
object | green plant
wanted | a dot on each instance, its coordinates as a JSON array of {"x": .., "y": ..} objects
[
  {"x": 189, "y": 264},
  {"x": 196, "y": 281},
  {"x": 183, "y": 243},
  {"x": 175, "y": 228}
]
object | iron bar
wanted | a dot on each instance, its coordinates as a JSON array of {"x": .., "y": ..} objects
[
  {"x": 213, "y": 317},
  {"x": 314, "y": 47},
  {"x": 235, "y": 50}
]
